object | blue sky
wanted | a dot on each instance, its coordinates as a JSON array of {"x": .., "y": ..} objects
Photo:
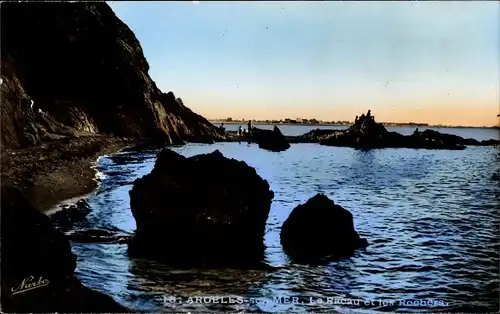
[{"x": 435, "y": 62}]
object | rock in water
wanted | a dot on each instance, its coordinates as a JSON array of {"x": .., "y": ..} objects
[
  {"x": 205, "y": 210},
  {"x": 366, "y": 133},
  {"x": 76, "y": 212},
  {"x": 38, "y": 265},
  {"x": 448, "y": 139},
  {"x": 320, "y": 228},
  {"x": 490, "y": 142},
  {"x": 272, "y": 140},
  {"x": 370, "y": 134}
]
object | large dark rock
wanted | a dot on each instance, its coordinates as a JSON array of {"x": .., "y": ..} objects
[
  {"x": 35, "y": 254},
  {"x": 205, "y": 210},
  {"x": 364, "y": 133},
  {"x": 320, "y": 228},
  {"x": 272, "y": 140},
  {"x": 85, "y": 68},
  {"x": 369, "y": 134}
]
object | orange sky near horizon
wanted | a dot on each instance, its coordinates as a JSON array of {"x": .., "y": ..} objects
[{"x": 482, "y": 113}]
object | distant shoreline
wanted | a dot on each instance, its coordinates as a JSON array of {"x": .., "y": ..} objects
[{"x": 409, "y": 124}]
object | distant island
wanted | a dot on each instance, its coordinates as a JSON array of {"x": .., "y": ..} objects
[{"x": 300, "y": 121}]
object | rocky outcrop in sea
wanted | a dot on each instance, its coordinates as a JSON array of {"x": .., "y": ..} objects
[
  {"x": 366, "y": 133},
  {"x": 320, "y": 228}
]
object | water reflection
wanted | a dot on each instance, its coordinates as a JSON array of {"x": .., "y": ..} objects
[{"x": 176, "y": 286}]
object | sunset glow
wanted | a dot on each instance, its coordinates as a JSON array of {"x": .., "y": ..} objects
[{"x": 433, "y": 62}]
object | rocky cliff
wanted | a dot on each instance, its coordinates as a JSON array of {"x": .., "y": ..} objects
[{"x": 72, "y": 68}]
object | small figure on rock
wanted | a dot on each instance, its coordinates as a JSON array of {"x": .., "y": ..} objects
[
  {"x": 240, "y": 131},
  {"x": 356, "y": 120},
  {"x": 222, "y": 128},
  {"x": 249, "y": 126},
  {"x": 369, "y": 114}
]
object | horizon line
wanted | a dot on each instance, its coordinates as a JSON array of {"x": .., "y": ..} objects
[{"x": 332, "y": 122}]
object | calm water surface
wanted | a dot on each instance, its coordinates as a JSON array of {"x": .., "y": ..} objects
[{"x": 431, "y": 218}]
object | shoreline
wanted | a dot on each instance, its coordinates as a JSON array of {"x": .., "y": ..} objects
[
  {"x": 415, "y": 125},
  {"x": 71, "y": 201},
  {"x": 50, "y": 174},
  {"x": 59, "y": 171}
]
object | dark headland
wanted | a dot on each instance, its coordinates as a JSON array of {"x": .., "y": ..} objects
[{"x": 74, "y": 86}]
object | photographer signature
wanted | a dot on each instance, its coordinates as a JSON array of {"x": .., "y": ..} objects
[{"x": 29, "y": 283}]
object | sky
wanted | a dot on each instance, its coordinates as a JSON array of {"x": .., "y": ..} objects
[{"x": 434, "y": 62}]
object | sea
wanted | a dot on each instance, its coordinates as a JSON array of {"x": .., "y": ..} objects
[{"x": 431, "y": 218}]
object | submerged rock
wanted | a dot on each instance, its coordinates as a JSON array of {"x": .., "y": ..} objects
[
  {"x": 320, "y": 228},
  {"x": 98, "y": 236},
  {"x": 272, "y": 140},
  {"x": 35, "y": 254},
  {"x": 205, "y": 210},
  {"x": 496, "y": 176},
  {"x": 71, "y": 213}
]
